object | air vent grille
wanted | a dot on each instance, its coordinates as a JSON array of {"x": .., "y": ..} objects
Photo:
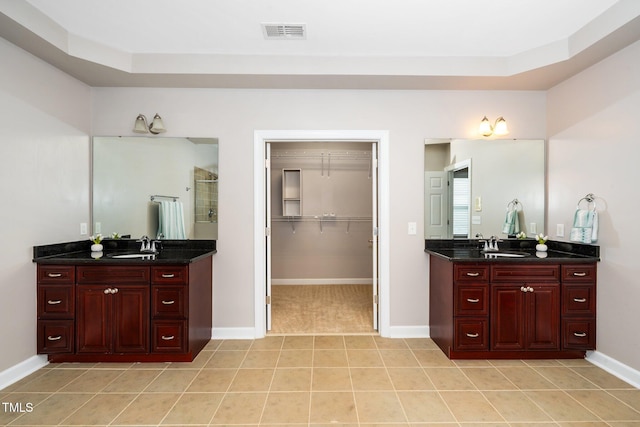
[{"x": 284, "y": 31}]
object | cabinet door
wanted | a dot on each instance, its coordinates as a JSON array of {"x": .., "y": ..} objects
[
  {"x": 130, "y": 319},
  {"x": 93, "y": 318},
  {"x": 543, "y": 316},
  {"x": 507, "y": 317}
]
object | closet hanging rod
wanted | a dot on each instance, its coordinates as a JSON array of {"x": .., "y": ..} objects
[
  {"x": 333, "y": 155},
  {"x": 155, "y": 196},
  {"x": 320, "y": 218}
]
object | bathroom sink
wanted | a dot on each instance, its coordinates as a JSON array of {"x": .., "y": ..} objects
[
  {"x": 142, "y": 255},
  {"x": 505, "y": 254}
]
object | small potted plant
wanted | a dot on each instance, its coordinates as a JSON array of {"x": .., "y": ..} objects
[
  {"x": 542, "y": 240},
  {"x": 97, "y": 243}
]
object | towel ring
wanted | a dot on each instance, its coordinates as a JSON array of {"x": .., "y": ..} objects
[
  {"x": 513, "y": 204},
  {"x": 589, "y": 198}
]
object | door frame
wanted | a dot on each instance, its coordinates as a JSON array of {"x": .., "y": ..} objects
[{"x": 261, "y": 137}]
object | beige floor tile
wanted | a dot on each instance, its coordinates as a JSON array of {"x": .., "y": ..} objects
[
  {"x": 421, "y": 343},
  {"x": 399, "y": 358},
  {"x": 332, "y": 408},
  {"x": 515, "y": 406},
  {"x": 409, "y": 379},
  {"x": 605, "y": 405},
  {"x": 470, "y": 406},
  {"x": 53, "y": 380},
  {"x": 235, "y": 345},
  {"x": 291, "y": 379},
  {"x": 364, "y": 358},
  {"x": 298, "y": 342},
  {"x": 240, "y": 408},
  {"x": 602, "y": 378},
  {"x": 172, "y": 381},
  {"x": 261, "y": 359},
  {"x": 488, "y": 379},
  {"x": 594, "y": 424},
  {"x": 268, "y": 343},
  {"x": 371, "y": 379},
  {"x": 326, "y": 342},
  {"x": 286, "y": 408},
  {"x": 526, "y": 378},
  {"x": 225, "y": 359},
  {"x": 360, "y": 342},
  {"x": 92, "y": 381},
  {"x": 432, "y": 358},
  {"x": 330, "y": 358},
  {"x": 133, "y": 381},
  {"x": 630, "y": 397},
  {"x": 54, "y": 409},
  {"x": 199, "y": 362},
  {"x": 194, "y": 408},
  {"x": 379, "y": 407},
  {"x": 331, "y": 379},
  {"x": 147, "y": 408},
  {"x": 102, "y": 409},
  {"x": 295, "y": 358},
  {"x": 212, "y": 380},
  {"x": 16, "y": 404},
  {"x": 565, "y": 378},
  {"x": 252, "y": 380},
  {"x": 212, "y": 345},
  {"x": 390, "y": 343},
  {"x": 560, "y": 406},
  {"x": 449, "y": 379},
  {"x": 425, "y": 406}
]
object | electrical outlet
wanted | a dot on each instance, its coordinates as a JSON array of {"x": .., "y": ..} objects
[
  {"x": 559, "y": 230},
  {"x": 83, "y": 228}
]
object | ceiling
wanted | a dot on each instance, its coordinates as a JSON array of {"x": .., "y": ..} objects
[{"x": 355, "y": 44}]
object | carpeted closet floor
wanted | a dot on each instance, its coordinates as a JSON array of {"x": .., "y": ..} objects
[{"x": 321, "y": 309}]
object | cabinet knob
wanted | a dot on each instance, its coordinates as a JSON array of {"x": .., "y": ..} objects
[
  {"x": 523, "y": 289},
  {"x": 580, "y": 334},
  {"x": 168, "y": 302},
  {"x": 107, "y": 291},
  {"x": 168, "y": 337},
  {"x": 52, "y": 338},
  {"x": 580, "y": 300},
  {"x": 54, "y": 302}
]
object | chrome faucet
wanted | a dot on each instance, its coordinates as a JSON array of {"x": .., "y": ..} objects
[
  {"x": 145, "y": 244},
  {"x": 493, "y": 243}
]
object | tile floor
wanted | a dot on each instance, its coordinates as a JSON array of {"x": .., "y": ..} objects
[{"x": 323, "y": 380}]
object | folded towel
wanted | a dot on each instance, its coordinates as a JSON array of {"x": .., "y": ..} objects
[
  {"x": 585, "y": 226},
  {"x": 511, "y": 222},
  {"x": 171, "y": 220}
]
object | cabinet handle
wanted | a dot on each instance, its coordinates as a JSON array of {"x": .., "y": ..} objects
[
  {"x": 114, "y": 290},
  {"x": 168, "y": 302},
  {"x": 579, "y": 273},
  {"x": 168, "y": 275},
  {"x": 476, "y": 335},
  {"x": 50, "y": 338},
  {"x": 526, "y": 289},
  {"x": 580, "y": 300},
  {"x": 111, "y": 291},
  {"x": 473, "y": 300},
  {"x": 476, "y": 274},
  {"x": 168, "y": 337},
  {"x": 54, "y": 275},
  {"x": 523, "y": 289},
  {"x": 54, "y": 302},
  {"x": 107, "y": 291},
  {"x": 580, "y": 334},
  {"x": 530, "y": 289}
]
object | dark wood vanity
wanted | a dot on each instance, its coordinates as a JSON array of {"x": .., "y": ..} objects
[
  {"x": 498, "y": 308},
  {"x": 124, "y": 310}
]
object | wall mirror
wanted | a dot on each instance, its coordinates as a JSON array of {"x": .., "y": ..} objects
[
  {"x": 133, "y": 176},
  {"x": 483, "y": 187}
]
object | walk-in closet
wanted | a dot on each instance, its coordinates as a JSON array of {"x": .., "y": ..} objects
[{"x": 322, "y": 197}]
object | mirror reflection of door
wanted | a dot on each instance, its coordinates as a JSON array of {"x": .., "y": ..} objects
[{"x": 460, "y": 207}]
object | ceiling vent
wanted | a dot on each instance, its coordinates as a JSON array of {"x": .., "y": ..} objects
[{"x": 284, "y": 31}]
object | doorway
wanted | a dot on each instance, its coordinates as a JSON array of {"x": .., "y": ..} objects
[{"x": 379, "y": 189}]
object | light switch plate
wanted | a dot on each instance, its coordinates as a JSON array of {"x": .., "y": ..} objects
[
  {"x": 412, "y": 228},
  {"x": 83, "y": 228},
  {"x": 559, "y": 230}
]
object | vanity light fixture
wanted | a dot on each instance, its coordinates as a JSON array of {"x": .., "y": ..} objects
[
  {"x": 155, "y": 127},
  {"x": 498, "y": 129}
]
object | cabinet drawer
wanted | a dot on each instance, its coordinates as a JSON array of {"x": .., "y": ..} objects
[
  {"x": 169, "y": 301},
  {"x": 525, "y": 273},
  {"x": 56, "y": 301},
  {"x": 579, "y": 273},
  {"x": 113, "y": 274},
  {"x": 169, "y": 336},
  {"x": 169, "y": 275},
  {"x": 471, "y": 300},
  {"x": 579, "y": 300},
  {"x": 55, "y": 336},
  {"x": 471, "y": 334},
  {"x": 63, "y": 274},
  {"x": 579, "y": 333},
  {"x": 470, "y": 272}
]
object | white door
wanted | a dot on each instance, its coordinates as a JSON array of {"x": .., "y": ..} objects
[
  {"x": 374, "y": 229},
  {"x": 436, "y": 196},
  {"x": 267, "y": 233}
]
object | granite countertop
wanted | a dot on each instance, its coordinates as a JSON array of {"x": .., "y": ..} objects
[
  {"x": 469, "y": 250},
  {"x": 79, "y": 252}
]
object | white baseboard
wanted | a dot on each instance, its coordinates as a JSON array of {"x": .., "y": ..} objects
[
  {"x": 21, "y": 370},
  {"x": 324, "y": 281},
  {"x": 614, "y": 367},
  {"x": 407, "y": 332},
  {"x": 233, "y": 333}
]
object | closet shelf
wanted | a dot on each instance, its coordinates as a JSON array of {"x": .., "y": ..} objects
[{"x": 320, "y": 219}]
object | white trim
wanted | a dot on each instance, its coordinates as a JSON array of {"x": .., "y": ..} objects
[
  {"x": 260, "y": 137},
  {"x": 614, "y": 367},
  {"x": 361, "y": 281},
  {"x": 233, "y": 334},
  {"x": 409, "y": 331},
  {"x": 17, "y": 372}
]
